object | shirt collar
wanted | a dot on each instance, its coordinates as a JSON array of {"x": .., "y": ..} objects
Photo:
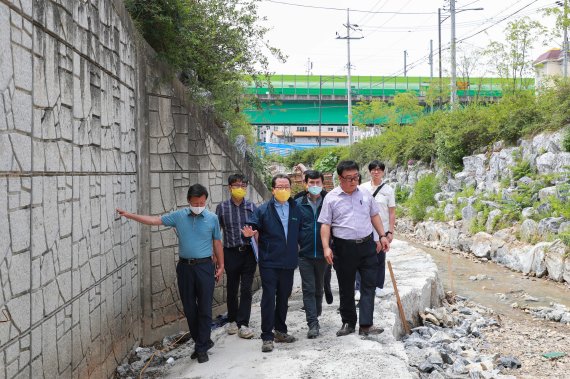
[{"x": 190, "y": 214}]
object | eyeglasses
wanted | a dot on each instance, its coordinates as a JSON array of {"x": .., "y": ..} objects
[
  {"x": 243, "y": 185},
  {"x": 376, "y": 170},
  {"x": 350, "y": 179},
  {"x": 282, "y": 188}
]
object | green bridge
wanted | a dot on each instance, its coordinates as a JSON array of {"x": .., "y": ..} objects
[{"x": 294, "y": 99}]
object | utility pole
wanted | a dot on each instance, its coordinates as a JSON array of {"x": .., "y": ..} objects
[
  {"x": 430, "y": 67},
  {"x": 431, "y": 60},
  {"x": 349, "y": 27},
  {"x": 309, "y": 68},
  {"x": 320, "y": 106},
  {"x": 439, "y": 53},
  {"x": 453, "y": 97},
  {"x": 405, "y": 63},
  {"x": 565, "y": 43}
]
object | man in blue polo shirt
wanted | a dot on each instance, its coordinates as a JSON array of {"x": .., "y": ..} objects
[{"x": 198, "y": 230}]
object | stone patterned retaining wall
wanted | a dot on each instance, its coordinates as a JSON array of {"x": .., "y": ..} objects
[{"x": 90, "y": 122}]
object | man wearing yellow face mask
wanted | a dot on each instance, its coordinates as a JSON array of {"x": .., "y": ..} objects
[
  {"x": 276, "y": 224},
  {"x": 240, "y": 261}
]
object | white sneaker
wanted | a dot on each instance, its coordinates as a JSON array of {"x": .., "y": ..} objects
[
  {"x": 232, "y": 328},
  {"x": 381, "y": 292},
  {"x": 245, "y": 332},
  {"x": 357, "y": 295}
]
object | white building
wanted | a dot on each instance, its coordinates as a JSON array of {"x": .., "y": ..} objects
[
  {"x": 548, "y": 64},
  {"x": 309, "y": 134}
]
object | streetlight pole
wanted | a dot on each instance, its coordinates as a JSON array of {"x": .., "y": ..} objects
[
  {"x": 405, "y": 63},
  {"x": 349, "y": 27}
]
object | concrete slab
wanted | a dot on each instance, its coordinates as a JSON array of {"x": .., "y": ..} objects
[{"x": 328, "y": 356}]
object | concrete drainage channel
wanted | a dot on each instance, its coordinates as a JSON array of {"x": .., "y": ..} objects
[{"x": 392, "y": 354}]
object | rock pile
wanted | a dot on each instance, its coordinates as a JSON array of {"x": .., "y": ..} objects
[
  {"x": 153, "y": 358},
  {"x": 446, "y": 346}
]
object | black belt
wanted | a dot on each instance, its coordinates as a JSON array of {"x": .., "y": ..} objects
[
  {"x": 240, "y": 248},
  {"x": 357, "y": 241},
  {"x": 195, "y": 261}
]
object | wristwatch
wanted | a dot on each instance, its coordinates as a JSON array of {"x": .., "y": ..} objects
[{"x": 388, "y": 233}]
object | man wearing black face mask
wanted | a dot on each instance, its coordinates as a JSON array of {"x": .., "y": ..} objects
[
  {"x": 198, "y": 230},
  {"x": 312, "y": 264}
]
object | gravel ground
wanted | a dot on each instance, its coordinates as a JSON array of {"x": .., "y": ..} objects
[{"x": 527, "y": 339}]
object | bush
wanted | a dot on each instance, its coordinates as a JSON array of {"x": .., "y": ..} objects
[
  {"x": 566, "y": 141},
  {"x": 423, "y": 196},
  {"x": 522, "y": 168}
]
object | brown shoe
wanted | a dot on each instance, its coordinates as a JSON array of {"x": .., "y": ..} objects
[
  {"x": 369, "y": 330},
  {"x": 345, "y": 330}
]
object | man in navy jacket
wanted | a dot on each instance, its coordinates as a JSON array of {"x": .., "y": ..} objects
[
  {"x": 276, "y": 226},
  {"x": 312, "y": 264}
]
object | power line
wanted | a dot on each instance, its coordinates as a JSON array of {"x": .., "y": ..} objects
[{"x": 344, "y": 9}]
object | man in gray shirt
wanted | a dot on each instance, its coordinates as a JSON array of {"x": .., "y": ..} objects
[{"x": 352, "y": 215}]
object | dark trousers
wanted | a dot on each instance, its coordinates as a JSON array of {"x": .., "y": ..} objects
[
  {"x": 327, "y": 283},
  {"x": 350, "y": 258},
  {"x": 312, "y": 277},
  {"x": 380, "y": 276},
  {"x": 240, "y": 269},
  {"x": 196, "y": 287},
  {"x": 277, "y": 284}
]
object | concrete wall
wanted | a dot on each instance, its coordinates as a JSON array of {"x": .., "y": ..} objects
[{"x": 90, "y": 122}]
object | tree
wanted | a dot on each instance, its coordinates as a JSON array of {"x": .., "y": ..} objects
[
  {"x": 436, "y": 94},
  {"x": 371, "y": 113},
  {"x": 214, "y": 45},
  {"x": 406, "y": 108},
  {"x": 403, "y": 109},
  {"x": 511, "y": 59}
]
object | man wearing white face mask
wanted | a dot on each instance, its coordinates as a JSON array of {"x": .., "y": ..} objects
[
  {"x": 312, "y": 264},
  {"x": 198, "y": 230}
]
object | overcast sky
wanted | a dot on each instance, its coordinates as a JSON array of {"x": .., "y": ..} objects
[{"x": 309, "y": 33}]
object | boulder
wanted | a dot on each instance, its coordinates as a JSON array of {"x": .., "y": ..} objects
[
  {"x": 449, "y": 237},
  {"x": 552, "y": 162},
  {"x": 533, "y": 260},
  {"x": 546, "y": 192},
  {"x": 509, "y": 256},
  {"x": 525, "y": 180},
  {"x": 555, "y": 259},
  {"x": 544, "y": 208},
  {"x": 449, "y": 211},
  {"x": 566, "y": 274},
  {"x": 474, "y": 165},
  {"x": 528, "y": 230},
  {"x": 507, "y": 235},
  {"x": 564, "y": 227},
  {"x": 485, "y": 244},
  {"x": 528, "y": 212},
  {"x": 468, "y": 213},
  {"x": 549, "y": 225},
  {"x": 441, "y": 196},
  {"x": 493, "y": 217}
]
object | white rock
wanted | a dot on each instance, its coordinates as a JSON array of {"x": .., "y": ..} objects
[{"x": 555, "y": 258}]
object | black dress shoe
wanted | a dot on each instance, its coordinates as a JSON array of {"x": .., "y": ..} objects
[
  {"x": 369, "y": 330},
  {"x": 345, "y": 330},
  {"x": 195, "y": 353},
  {"x": 203, "y": 357},
  {"x": 328, "y": 296}
]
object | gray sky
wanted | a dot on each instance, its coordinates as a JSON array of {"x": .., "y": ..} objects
[{"x": 304, "y": 32}]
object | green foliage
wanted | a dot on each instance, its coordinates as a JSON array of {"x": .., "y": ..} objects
[
  {"x": 310, "y": 157},
  {"x": 327, "y": 163},
  {"x": 214, "y": 45},
  {"x": 522, "y": 168},
  {"x": 566, "y": 141},
  {"x": 402, "y": 194},
  {"x": 403, "y": 109},
  {"x": 422, "y": 196}
]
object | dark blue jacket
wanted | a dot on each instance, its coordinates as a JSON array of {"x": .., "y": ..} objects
[
  {"x": 274, "y": 250},
  {"x": 310, "y": 243}
]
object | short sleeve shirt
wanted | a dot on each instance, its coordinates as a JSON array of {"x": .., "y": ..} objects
[
  {"x": 349, "y": 214},
  {"x": 195, "y": 232},
  {"x": 385, "y": 198}
]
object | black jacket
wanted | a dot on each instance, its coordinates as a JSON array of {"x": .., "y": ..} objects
[{"x": 310, "y": 242}]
